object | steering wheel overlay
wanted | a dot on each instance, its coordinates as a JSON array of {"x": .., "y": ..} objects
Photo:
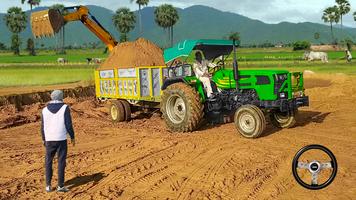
[{"x": 333, "y": 165}]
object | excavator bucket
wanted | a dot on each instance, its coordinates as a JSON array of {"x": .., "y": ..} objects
[{"x": 46, "y": 23}]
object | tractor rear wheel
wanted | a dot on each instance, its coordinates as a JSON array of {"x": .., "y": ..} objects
[
  {"x": 250, "y": 121},
  {"x": 181, "y": 108},
  {"x": 283, "y": 119}
]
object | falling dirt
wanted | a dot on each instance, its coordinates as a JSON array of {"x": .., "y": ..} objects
[
  {"x": 142, "y": 160},
  {"x": 134, "y": 54}
]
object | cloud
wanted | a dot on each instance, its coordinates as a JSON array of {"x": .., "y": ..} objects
[{"x": 271, "y": 11}]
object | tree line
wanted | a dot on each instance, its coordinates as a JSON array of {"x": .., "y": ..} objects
[
  {"x": 124, "y": 20},
  {"x": 334, "y": 15},
  {"x": 166, "y": 16}
]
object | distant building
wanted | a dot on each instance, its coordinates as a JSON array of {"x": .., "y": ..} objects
[{"x": 279, "y": 45}]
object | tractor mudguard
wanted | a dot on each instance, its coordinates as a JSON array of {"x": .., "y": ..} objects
[
  {"x": 171, "y": 81},
  {"x": 192, "y": 81}
]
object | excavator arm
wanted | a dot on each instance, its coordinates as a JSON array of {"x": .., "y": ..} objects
[{"x": 48, "y": 22}]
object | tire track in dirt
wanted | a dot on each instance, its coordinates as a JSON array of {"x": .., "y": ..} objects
[
  {"x": 114, "y": 173},
  {"x": 202, "y": 172}
]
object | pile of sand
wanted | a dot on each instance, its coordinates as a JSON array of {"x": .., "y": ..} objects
[
  {"x": 326, "y": 48},
  {"x": 134, "y": 54}
]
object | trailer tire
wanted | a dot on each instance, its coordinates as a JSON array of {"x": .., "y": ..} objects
[
  {"x": 250, "y": 121},
  {"x": 117, "y": 111},
  {"x": 127, "y": 109},
  {"x": 283, "y": 120},
  {"x": 181, "y": 108}
]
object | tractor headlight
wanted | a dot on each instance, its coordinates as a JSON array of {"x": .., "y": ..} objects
[{"x": 282, "y": 95}]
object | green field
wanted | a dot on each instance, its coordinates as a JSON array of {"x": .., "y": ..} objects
[
  {"x": 43, "y": 69},
  {"x": 293, "y": 55},
  {"x": 79, "y": 56},
  {"x": 44, "y": 75},
  {"x": 73, "y": 56}
]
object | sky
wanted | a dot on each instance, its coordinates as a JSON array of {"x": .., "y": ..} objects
[{"x": 269, "y": 11}]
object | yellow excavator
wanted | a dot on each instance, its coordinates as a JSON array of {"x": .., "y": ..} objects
[{"x": 46, "y": 23}]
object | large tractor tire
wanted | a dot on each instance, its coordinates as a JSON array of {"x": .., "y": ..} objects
[
  {"x": 250, "y": 121},
  {"x": 283, "y": 120},
  {"x": 181, "y": 108},
  {"x": 127, "y": 109},
  {"x": 117, "y": 111}
]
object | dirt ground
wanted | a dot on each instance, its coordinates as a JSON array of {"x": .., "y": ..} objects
[
  {"x": 30, "y": 89},
  {"x": 142, "y": 160}
]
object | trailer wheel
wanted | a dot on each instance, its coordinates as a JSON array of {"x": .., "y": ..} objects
[
  {"x": 117, "y": 111},
  {"x": 181, "y": 108},
  {"x": 250, "y": 121},
  {"x": 283, "y": 119},
  {"x": 127, "y": 109}
]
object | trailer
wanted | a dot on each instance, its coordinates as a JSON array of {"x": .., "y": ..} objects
[{"x": 134, "y": 84}]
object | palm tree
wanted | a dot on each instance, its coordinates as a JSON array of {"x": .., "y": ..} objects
[
  {"x": 32, "y": 2},
  {"x": 234, "y": 36},
  {"x": 16, "y": 21},
  {"x": 355, "y": 16},
  {"x": 344, "y": 8},
  {"x": 166, "y": 16},
  {"x": 124, "y": 20},
  {"x": 61, "y": 9},
  {"x": 331, "y": 15},
  {"x": 140, "y": 3}
]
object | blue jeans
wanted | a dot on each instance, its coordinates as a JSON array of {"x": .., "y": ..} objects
[{"x": 53, "y": 147}]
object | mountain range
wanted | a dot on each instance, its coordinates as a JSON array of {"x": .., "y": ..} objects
[{"x": 196, "y": 22}]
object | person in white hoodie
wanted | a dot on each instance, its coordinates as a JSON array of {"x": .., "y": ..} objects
[{"x": 56, "y": 123}]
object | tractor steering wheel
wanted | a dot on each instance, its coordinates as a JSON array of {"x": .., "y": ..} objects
[
  {"x": 219, "y": 65},
  {"x": 314, "y": 167}
]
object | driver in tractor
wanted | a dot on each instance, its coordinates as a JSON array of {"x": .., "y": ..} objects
[{"x": 201, "y": 71}]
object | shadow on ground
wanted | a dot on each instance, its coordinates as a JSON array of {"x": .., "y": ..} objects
[
  {"x": 306, "y": 117},
  {"x": 82, "y": 180},
  {"x": 303, "y": 119}
]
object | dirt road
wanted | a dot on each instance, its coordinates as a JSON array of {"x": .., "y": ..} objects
[{"x": 141, "y": 160}]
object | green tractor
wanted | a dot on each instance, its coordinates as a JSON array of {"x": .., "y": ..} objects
[{"x": 245, "y": 96}]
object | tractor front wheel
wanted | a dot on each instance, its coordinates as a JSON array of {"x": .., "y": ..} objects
[
  {"x": 181, "y": 108},
  {"x": 283, "y": 119},
  {"x": 250, "y": 121}
]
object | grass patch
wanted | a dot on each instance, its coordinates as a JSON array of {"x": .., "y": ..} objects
[
  {"x": 334, "y": 66},
  {"x": 40, "y": 75},
  {"x": 244, "y": 54},
  {"x": 50, "y": 57}
]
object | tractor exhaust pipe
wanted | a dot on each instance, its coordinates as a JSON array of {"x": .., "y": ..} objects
[{"x": 235, "y": 66}]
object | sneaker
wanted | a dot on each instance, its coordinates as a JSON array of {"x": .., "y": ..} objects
[
  {"x": 48, "y": 188},
  {"x": 62, "y": 189}
]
